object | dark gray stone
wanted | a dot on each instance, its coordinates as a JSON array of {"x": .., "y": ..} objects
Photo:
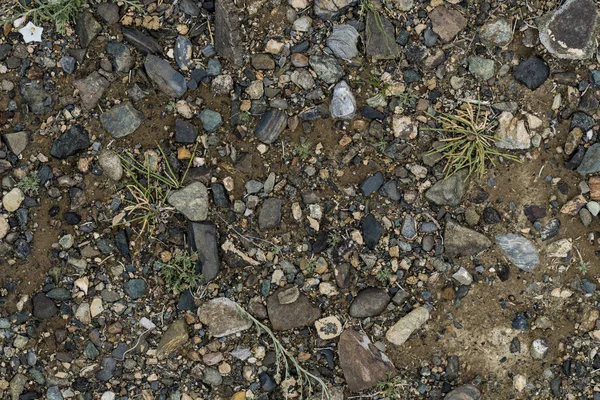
[
  {"x": 43, "y": 307},
  {"x": 142, "y": 42},
  {"x": 270, "y": 126},
  {"x": 371, "y": 231},
  {"x": 202, "y": 237},
  {"x": 121, "y": 120},
  {"x": 270, "y": 214},
  {"x": 109, "y": 12},
  {"x": 380, "y": 33},
  {"x": 211, "y": 120},
  {"x": 228, "y": 40},
  {"x": 36, "y": 97},
  {"x": 532, "y": 72},
  {"x": 190, "y": 7},
  {"x": 448, "y": 191},
  {"x": 185, "y": 132},
  {"x": 120, "y": 55},
  {"x": 87, "y": 28},
  {"x": 326, "y": 67},
  {"x": 164, "y": 76},
  {"x": 74, "y": 140},
  {"x": 220, "y": 196},
  {"x": 390, "y": 190},
  {"x": 591, "y": 160},
  {"x": 460, "y": 241},
  {"x": 372, "y": 183},
  {"x": 135, "y": 288},
  {"x": 183, "y": 52},
  {"x": 369, "y": 302},
  {"x": 109, "y": 365},
  {"x": 91, "y": 89}
]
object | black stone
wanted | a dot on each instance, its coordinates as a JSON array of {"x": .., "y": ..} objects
[
  {"x": 267, "y": 383},
  {"x": 533, "y": 212},
  {"x": 74, "y": 140},
  {"x": 532, "y": 72},
  {"x": 72, "y": 218},
  {"x": 371, "y": 113},
  {"x": 202, "y": 238},
  {"x": 43, "y": 307},
  {"x": 551, "y": 229},
  {"x": 220, "y": 196},
  {"x": 140, "y": 41},
  {"x": 520, "y": 322},
  {"x": 371, "y": 230},
  {"x": 582, "y": 121},
  {"x": 186, "y": 301},
  {"x": 122, "y": 244},
  {"x": 491, "y": 216},
  {"x": 576, "y": 158},
  {"x": 185, "y": 132},
  {"x": 272, "y": 123}
]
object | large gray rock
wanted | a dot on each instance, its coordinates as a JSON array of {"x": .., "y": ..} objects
[
  {"x": 369, "y": 302},
  {"x": 465, "y": 392},
  {"x": 169, "y": 81},
  {"x": 407, "y": 325},
  {"x": 16, "y": 141},
  {"x": 519, "y": 250},
  {"x": 591, "y": 160},
  {"x": 343, "y": 103},
  {"x": 202, "y": 238},
  {"x": 285, "y": 314},
  {"x": 342, "y": 41},
  {"x": 496, "y": 33},
  {"x": 448, "y": 191},
  {"x": 363, "y": 364},
  {"x": 270, "y": 214},
  {"x": 512, "y": 133},
  {"x": 121, "y": 120},
  {"x": 570, "y": 32},
  {"x": 460, "y": 241},
  {"x": 191, "y": 201},
  {"x": 228, "y": 40},
  {"x": 72, "y": 141},
  {"x": 222, "y": 317}
]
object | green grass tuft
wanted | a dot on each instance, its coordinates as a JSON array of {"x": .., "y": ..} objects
[
  {"x": 30, "y": 184},
  {"x": 180, "y": 273}
]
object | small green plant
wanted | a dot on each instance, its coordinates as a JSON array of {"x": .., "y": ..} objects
[
  {"x": 469, "y": 143},
  {"x": 583, "y": 267},
  {"x": 334, "y": 239},
  {"x": 304, "y": 150},
  {"x": 60, "y": 12},
  {"x": 383, "y": 275},
  {"x": 149, "y": 190},
  {"x": 30, "y": 184},
  {"x": 286, "y": 361},
  {"x": 381, "y": 145},
  {"x": 310, "y": 265},
  {"x": 406, "y": 98},
  {"x": 389, "y": 389},
  {"x": 180, "y": 271},
  {"x": 171, "y": 106}
]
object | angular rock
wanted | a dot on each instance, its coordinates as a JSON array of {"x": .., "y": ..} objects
[
  {"x": 328, "y": 328},
  {"x": 228, "y": 40},
  {"x": 74, "y": 140},
  {"x": 532, "y": 72},
  {"x": 460, "y": 241},
  {"x": 109, "y": 12},
  {"x": 211, "y": 120},
  {"x": 270, "y": 126},
  {"x": 330, "y": 9},
  {"x": 91, "y": 89},
  {"x": 222, "y": 317},
  {"x": 369, "y": 302},
  {"x": 16, "y": 141},
  {"x": 121, "y": 120},
  {"x": 520, "y": 251},
  {"x": 372, "y": 184},
  {"x": 447, "y": 22},
  {"x": 202, "y": 238},
  {"x": 87, "y": 28},
  {"x": 43, "y": 307},
  {"x": 371, "y": 231},
  {"x": 270, "y": 214},
  {"x": 380, "y": 38},
  {"x": 295, "y": 315},
  {"x": 343, "y": 103},
  {"x": 326, "y": 67},
  {"x": 176, "y": 336},
  {"x": 135, "y": 288},
  {"x": 140, "y": 41},
  {"x": 191, "y": 201},
  {"x": 401, "y": 330},
  {"x": 481, "y": 67},
  {"x": 120, "y": 56},
  {"x": 498, "y": 33},
  {"x": 511, "y": 133},
  {"x": 465, "y": 392},
  {"x": 169, "y": 81},
  {"x": 363, "y": 364},
  {"x": 448, "y": 191},
  {"x": 111, "y": 164},
  {"x": 571, "y": 30},
  {"x": 591, "y": 160},
  {"x": 36, "y": 97},
  {"x": 342, "y": 41},
  {"x": 185, "y": 132}
]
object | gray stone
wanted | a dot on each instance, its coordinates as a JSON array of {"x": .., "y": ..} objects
[
  {"x": 409, "y": 229},
  {"x": 481, "y": 67},
  {"x": 303, "y": 79},
  {"x": 68, "y": 64},
  {"x": 326, "y": 67},
  {"x": 330, "y": 9},
  {"x": 109, "y": 12},
  {"x": 465, "y": 392},
  {"x": 121, "y": 120},
  {"x": 135, "y": 288},
  {"x": 498, "y": 33},
  {"x": 190, "y": 7},
  {"x": 571, "y": 30},
  {"x": 74, "y": 140},
  {"x": 109, "y": 365},
  {"x": 390, "y": 190},
  {"x": 342, "y": 41},
  {"x": 175, "y": 337},
  {"x": 270, "y": 214},
  {"x": 343, "y": 103},
  {"x": 371, "y": 231},
  {"x": 270, "y": 126},
  {"x": 447, "y": 22},
  {"x": 211, "y": 120},
  {"x": 37, "y": 97},
  {"x": 164, "y": 76},
  {"x": 222, "y": 317},
  {"x": 228, "y": 40},
  {"x": 111, "y": 164},
  {"x": 518, "y": 250},
  {"x": 91, "y": 89},
  {"x": 363, "y": 364},
  {"x": 17, "y": 141},
  {"x": 183, "y": 52},
  {"x": 43, "y": 307},
  {"x": 294, "y": 315},
  {"x": 380, "y": 43},
  {"x": 460, "y": 241},
  {"x": 212, "y": 377},
  {"x": 87, "y": 28},
  {"x": 448, "y": 191},
  {"x": 372, "y": 183},
  {"x": 53, "y": 393},
  {"x": 120, "y": 56},
  {"x": 407, "y": 325},
  {"x": 191, "y": 201},
  {"x": 591, "y": 160},
  {"x": 511, "y": 133},
  {"x": 463, "y": 276},
  {"x": 532, "y": 72},
  {"x": 539, "y": 348},
  {"x": 143, "y": 43},
  {"x": 369, "y": 302},
  {"x": 17, "y": 386},
  {"x": 202, "y": 238}
]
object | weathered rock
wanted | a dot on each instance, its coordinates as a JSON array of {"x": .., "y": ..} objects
[
  {"x": 372, "y": 184},
  {"x": 43, "y": 307},
  {"x": 37, "y": 97},
  {"x": 111, "y": 164},
  {"x": 185, "y": 132},
  {"x": 222, "y": 317},
  {"x": 270, "y": 126},
  {"x": 342, "y": 41},
  {"x": 270, "y": 214},
  {"x": 328, "y": 328},
  {"x": 369, "y": 302},
  {"x": 448, "y": 191},
  {"x": 482, "y": 68},
  {"x": 211, "y": 120},
  {"x": 169, "y": 81},
  {"x": 326, "y": 67},
  {"x": 343, "y": 103},
  {"x": 142, "y": 42},
  {"x": 363, "y": 364},
  {"x": 16, "y": 141},
  {"x": 120, "y": 56},
  {"x": 498, "y": 33},
  {"x": 371, "y": 230},
  {"x": 191, "y": 201},
  {"x": 570, "y": 31},
  {"x": 228, "y": 40},
  {"x": 121, "y": 120},
  {"x": 401, "y": 330},
  {"x": 591, "y": 160},
  {"x": 91, "y": 89},
  {"x": 294, "y": 315},
  {"x": 87, "y": 28},
  {"x": 532, "y": 72},
  {"x": 109, "y": 12},
  {"x": 465, "y": 392},
  {"x": 330, "y": 9},
  {"x": 135, "y": 288},
  {"x": 447, "y": 22},
  {"x": 511, "y": 133},
  {"x": 202, "y": 238},
  {"x": 520, "y": 251},
  {"x": 380, "y": 38},
  {"x": 74, "y": 140},
  {"x": 175, "y": 337},
  {"x": 183, "y": 52},
  {"x": 460, "y": 241}
]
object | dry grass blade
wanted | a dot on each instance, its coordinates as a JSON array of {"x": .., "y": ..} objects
[{"x": 470, "y": 143}]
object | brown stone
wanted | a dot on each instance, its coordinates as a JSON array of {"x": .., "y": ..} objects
[
  {"x": 295, "y": 315},
  {"x": 447, "y": 22},
  {"x": 573, "y": 206},
  {"x": 175, "y": 337},
  {"x": 594, "y": 184}
]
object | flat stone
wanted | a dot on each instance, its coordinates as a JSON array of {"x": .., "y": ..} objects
[
  {"x": 369, "y": 302},
  {"x": 343, "y": 103},
  {"x": 372, "y": 184},
  {"x": 448, "y": 191},
  {"x": 328, "y": 328},
  {"x": 496, "y": 33},
  {"x": 211, "y": 120},
  {"x": 326, "y": 67},
  {"x": 175, "y": 337},
  {"x": 169, "y": 81},
  {"x": 183, "y": 52},
  {"x": 16, "y": 141},
  {"x": 407, "y": 325},
  {"x": 532, "y": 72},
  {"x": 330, "y": 9},
  {"x": 37, "y": 97},
  {"x": 463, "y": 276},
  {"x": 228, "y": 40},
  {"x": 465, "y": 392},
  {"x": 191, "y": 201},
  {"x": 294, "y": 315},
  {"x": 482, "y": 68},
  {"x": 135, "y": 288},
  {"x": 91, "y": 89},
  {"x": 380, "y": 38},
  {"x": 511, "y": 133},
  {"x": 363, "y": 364},
  {"x": 202, "y": 238},
  {"x": 447, "y": 22},
  {"x": 140, "y": 41},
  {"x": 371, "y": 231},
  {"x": 270, "y": 126},
  {"x": 222, "y": 317},
  {"x": 120, "y": 56},
  {"x": 109, "y": 12},
  {"x": 460, "y": 241},
  {"x": 520, "y": 251},
  {"x": 43, "y": 307},
  {"x": 569, "y": 32},
  {"x": 342, "y": 41},
  {"x": 12, "y": 200},
  {"x": 185, "y": 132},
  {"x": 121, "y": 120},
  {"x": 591, "y": 160},
  {"x": 270, "y": 214},
  {"x": 72, "y": 141},
  {"x": 87, "y": 28}
]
